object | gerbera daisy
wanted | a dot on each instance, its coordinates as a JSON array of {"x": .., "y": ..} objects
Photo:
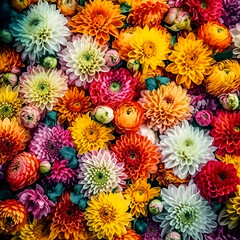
[
  {"x": 13, "y": 139},
  {"x": 83, "y": 60},
  {"x": 150, "y": 47},
  {"x": 100, "y": 172},
  {"x": 73, "y": 104},
  {"x": 191, "y": 60},
  {"x": 138, "y": 154},
  {"x": 107, "y": 215},
  {"x": 100, "y": 18},
  {"x": 113, "y": 88},
  {"x": 10, "y": 104},
  {"x": 130, "y": 235},
  {"x": 226, "y": 132},
  {"x": 186, "y": 211},
  {"x": 39, "y": 31},
  {"x": 166, "y": 107},
  {"x": 89, "y": 135}
]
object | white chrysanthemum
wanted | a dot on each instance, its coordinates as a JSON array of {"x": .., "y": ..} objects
[
  {"x": 83, "y": 60},
  {"x": 100, "y": 172},
  {"x": 186, "y": 149},
  {"x": 235, "y": 32},
  {"x": 186, "y": 212},
  {"x": 39, "y": 31}
]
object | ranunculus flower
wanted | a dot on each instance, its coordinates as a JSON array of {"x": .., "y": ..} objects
[
  {"x": 112, "y": 58},
  {"x": 229, "y": 100},
  {"x": 204, "y": 118},
  {"x": 30, "y": 116},
  {"x": 103, "y": 114}
]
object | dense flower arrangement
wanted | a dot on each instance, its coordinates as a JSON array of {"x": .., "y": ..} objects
[{"x": 120, "y": 120}]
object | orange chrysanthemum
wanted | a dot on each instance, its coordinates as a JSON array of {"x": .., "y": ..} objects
[
  {"x": 138, "y": 154},
  {"x": 20, "y": 5},
  {"x": 13, "y": 139},
  {"x": 72, "y": 105},
  {"x": 67, "y": 8},
  {"x": 13, "y": 216},
  {"x": 130, "y": 235},
  {"x": 148, "y": 13},
  {"x": 216, "y": 35},
  {"x": 166, "y": 107},
  {"x": 100, "y": 18}
]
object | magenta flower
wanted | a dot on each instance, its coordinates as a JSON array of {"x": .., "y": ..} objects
[{"x": 204, "y": 118}]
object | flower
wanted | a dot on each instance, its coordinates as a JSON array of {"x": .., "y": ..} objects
[
  {"x": 113, "y": 88},
  {"x": 10, "y": 104},
  {"x": 112, "y": 58},
  {"x": 103, "y": 114},
  {"x": 130, "y": 235},
  {"x": 217, "y": 181},
  {"x": 133, "y": 65},
  {"x": 100, "y": 18},
  {"x": 39, "y": 31},
  {"x": 235, "y": 32},
  {"x": 13, "y": 139},
  {"x": 107, "y": 215},
  {"x": 222, "y": 233},
  {"x": 44, "y": 167},
  {"x": 153, "y": 231},
  {"x": 230, "y": 100},
  {"x": 67, "y": 8},
  {"x": 175, "y": 3},
  {"x": 155, "y": 207},
  {"x": 186, "y": 211},
  {"x": 36, "y": 202},
  {"x": 13, "y": 216},
  {"x": 150, "y": 47},
  {"x": 30, "y": 116},
  {"x": 204, "y": 117},
  {"x": 50, "y": 61},
  {"x": 191, "y": 60},
  {"x": 83, "y": 60},
  {"x": 47, "y": 142},
  {"x": 128, "y": 117},
  {"x": 89, "y": 135},
  {"x": 20, "y": 5},
  {"x": 149, "y": 133},
  {"x": 166, "y": 107},
  {"x": 73, "y": 104},
  {"x": 138, "y": 154},
  {"x": 139, "y": 194},
  {"x": 8, "y": 79},
  {"x": 224, "y": 78},
  {"x": 226, "y": 132},
  {"x": 100, "y": 172}
]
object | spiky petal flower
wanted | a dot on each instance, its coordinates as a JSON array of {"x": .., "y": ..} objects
[
  {"x": 235, "y": 32},
  {"x": 186, "y": 211},
  {"x": 153, "y": 230},
  {"x": 130, "y": 235},
  {"x": 222, "y": 233}
]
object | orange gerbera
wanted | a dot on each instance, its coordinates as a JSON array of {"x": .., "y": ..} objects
[
  {"x": 67, "y": 8},
  {"x": 13, "y": 216},
  {"x": 100, "y": 18},
  {"x": 20, "y": 5},
  {"x": 216, "y": 35},
  {"x": 130, "y": 235},
  {"x": 72, "y": 105}
]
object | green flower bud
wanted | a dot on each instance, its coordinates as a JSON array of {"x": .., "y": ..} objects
[
  {"x": 50, "y": 62},
  {"x": 6, "y": 36}
]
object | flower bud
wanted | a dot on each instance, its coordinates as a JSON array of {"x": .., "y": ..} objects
[
  {"x": 204, "y": 118},
  {"x": 133, "y": 65},
  {"x": 5, "y": 36},
  {"x": 44, "y": 167},
  {"x": 103, "y": 114},
  {"x": 50, "y": 62},
  {"x": 149, "y": 133},
  {"x": 171, "y": 16},
  {"x": 229, "y": 101},
  {"x": 30, "y": 116},
  {"x": 112, "y": 58},
  {"x": 155, "y": 207},
  {"x": 9, "y": 78},
  {"x": 173, "y": 236}
]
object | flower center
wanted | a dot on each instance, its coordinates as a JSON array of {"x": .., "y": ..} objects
[
  {"x": 107, "y": 214},
  {"x": 69, "y": 212},
  {"x": 115, "y": 87},
  {"x": 42, "y": 89},
  {"x": 203, "y": 5},
  {"x": 75, "y": 106},
  {"x": 8, "y": 220},
  {"x": 149, "y": 48},
  {"x": 191, "y": 59},
  {"x": 140, "y": 195},
  {"x": 92, "y": 134},
  {"x": 34, "y": 22},
  {"x": 236, "y": 128},
  {"x": 186, "y": 214},
  {"x": 222, "y": 176},
  {"x": 188, "y": 143},
  {"x": 6, "y": 111},
  {"x": 168, "y": 100},
  {"x": 132, "y": 158}
]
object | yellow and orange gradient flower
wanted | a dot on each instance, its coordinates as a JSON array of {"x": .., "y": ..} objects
[
  {"x": 130, "y": 235},
  {"x": 67, "y": 8}
]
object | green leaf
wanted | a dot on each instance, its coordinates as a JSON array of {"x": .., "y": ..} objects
[
  {"x": 223, "y": 56},
  {"x": 125, "y": 8},
  {"x": 70, "y": 154},
  {"x": 163, "y": 80},
  {"x": 173, "y": 40},
  {"x": 51, "y": 119},
  {"x": 151, "y": 84}
]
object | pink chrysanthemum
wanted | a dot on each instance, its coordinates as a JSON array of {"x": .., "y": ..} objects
[{"x": 113, "y": 88}]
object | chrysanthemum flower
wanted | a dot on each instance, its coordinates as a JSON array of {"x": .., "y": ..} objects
[
  {"x": 186, "y": 211},
  {"x": 153, "y": 230},
  {"x": 13, "y": 216},
  {"x": 139, "y": 194},
  {"x": 166, "y": 107},
  {"x": 39, "y": 31},
  {"x": 89, "y": 135},
  {"x": 13, "y": 139},
  {"x": 226, "y": 132},
  {"x": 10, "y": 104},
  {"x": 217, "y": 181},
  {"x": 222, "y": 233},
  {"x": 191, "y": 60},
  {"x": 100, "y": 172},
  {"x": 186, "y": 149},
  {"x": 47, "y": 142},
  {"x": 235, "y": 32},
  {"x": 107, "y": 215},
  {"x": 113, "y": 88},
  {"x": 73, "y": 104},
  {"x": 100, "y": 18},
  {"x": 138, "y": 154},
  {"x": 130, "y": 235},
  {"x": 150, "y": 47}
]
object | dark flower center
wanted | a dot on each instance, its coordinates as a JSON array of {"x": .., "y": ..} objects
[
  {"x": 222, "y": 176},
  {"x": 203, "y": 5}
]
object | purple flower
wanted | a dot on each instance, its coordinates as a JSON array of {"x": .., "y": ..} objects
[
  {"x": 153, "y": 230},
  {"x": 222, "y": 233},
  {"x": 36, "y": 202}
]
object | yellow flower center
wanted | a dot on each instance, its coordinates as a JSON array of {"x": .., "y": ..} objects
[
  {"x": 191, "y": 59},
  {"x": 75, "y": 106},
  {"x": 149, "y": 48},
  {"x": 107, "y": 214},
  {"x": 92, "y": 133},
  {"x": 236, "y": 128},
  {"x": 140, "y": 195}
]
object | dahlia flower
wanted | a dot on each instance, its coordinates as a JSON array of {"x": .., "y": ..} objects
[
  {"x": 30, "y": 116},
  {"x": 222, "y": 233},
  {"x": 100, "y": 18},
  {"x": 139, "y": 194},
  {"x": 235, "y": 32},
  {"x": 83, "y": 60},
  {"x": 47, "y": 142},
  {"x": 100, "y": 172},
  {"x": 138, "y": 154},
  {"x": 166, "y": 107},
  {"x": 217, "y": 181},
  {"x": 107, "y": 215},
  {"x": 89, "y": 135},
  {"x": 130, "y": 235},
  {"x": 186, "y": 211},
  {"x": 153, "y": 231},
  {"x": 195, "y": 64},
  {"x": 113, "y": 88},
  {"x": 39, "y": 31}
]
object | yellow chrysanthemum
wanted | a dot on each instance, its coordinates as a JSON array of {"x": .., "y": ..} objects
[
  {"x": 107, "y": 215},
  {"x": 139, "y": 194},
  {"x": 191, "y": 61},
  {"x": 89, "y": 135},
  {"x": 150, "y": 47},
  {"x": 10, "y": 104}
]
